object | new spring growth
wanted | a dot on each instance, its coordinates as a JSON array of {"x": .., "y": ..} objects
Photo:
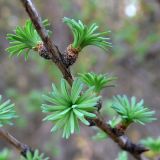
[
  {"x": 69, "y": 105},
  {"x": 26, "y": 39},
  {"x": 83, "y": 36},
  {"x": 132, "y": 111}
]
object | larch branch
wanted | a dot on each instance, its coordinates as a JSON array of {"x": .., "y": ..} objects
[{"x": 122, "y": 140}]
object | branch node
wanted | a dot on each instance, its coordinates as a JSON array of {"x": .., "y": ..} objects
[
  {"x": 137, "y": 149},
  {"x": 25, "y": 150},
  {"x": 70, "y": 56}
]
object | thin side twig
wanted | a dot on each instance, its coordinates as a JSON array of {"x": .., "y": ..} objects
[{"x": 21, "y": 147}]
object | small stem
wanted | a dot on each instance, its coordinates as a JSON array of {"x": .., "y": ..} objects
[
  {"x": 122, "y": 126},
  {"x": 22, "y": 148}
]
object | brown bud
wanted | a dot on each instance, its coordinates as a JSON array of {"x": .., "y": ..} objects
[
  {"x": 70, "y": 56},
  {"x": 41, "y": 49}
]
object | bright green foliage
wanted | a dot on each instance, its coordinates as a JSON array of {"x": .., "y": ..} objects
[
  {"x": 99, "y": 81},
  {"x": 35, "y": 156},
  {"x": 86, "y": 35},
  {"x": 6, "y": 112},
  {"x": 113, "y": 123},
  {"x": 5, "y": 154},
  {"x": 152, "y": 144},
  {"x": 100, "y": 135},
  {"x": 132, "y": 111},
  {"x": 68, "y": 105},
  {"x": 24, "y": 39},
  {"x": 122, "y": 156}
]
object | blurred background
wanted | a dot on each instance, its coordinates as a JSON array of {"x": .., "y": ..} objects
[{"x": 134, "y": 59}]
